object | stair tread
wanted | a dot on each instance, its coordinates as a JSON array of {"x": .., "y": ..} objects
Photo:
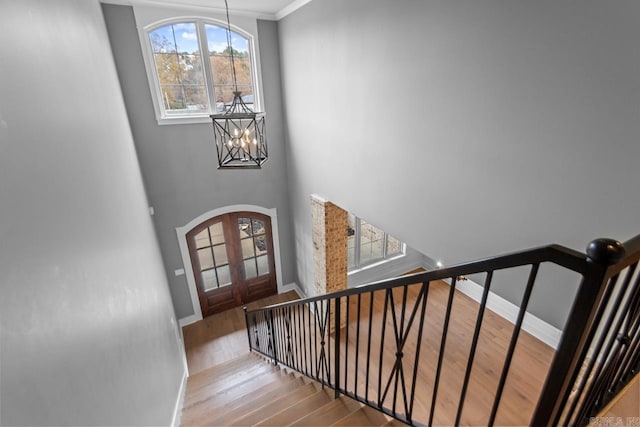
[
  {"x": 240, "y": 406},
  {"x": 217, "y": 385},
  {"x": 329, "y": 413},
  {"x": 276, "y": 405},
  {"x": 395, "y": 423},
  {"x": 259, "y": 378},
  {"x": 299, "y": 409},
  {"x": 225, "y": 370},
  {"x": 364, "y": 416}
]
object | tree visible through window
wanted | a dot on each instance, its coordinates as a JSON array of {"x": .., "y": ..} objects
[
  {"x": 193, "y": 68},
  {"x": 367, "y": 244}
]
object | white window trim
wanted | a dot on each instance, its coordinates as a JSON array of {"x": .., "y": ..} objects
[{"x": 150, "y": 17}]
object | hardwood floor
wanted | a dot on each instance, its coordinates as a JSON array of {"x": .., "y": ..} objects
[
  {"x": 529, "y": 366},
  {"x": 221, "y": 338}
]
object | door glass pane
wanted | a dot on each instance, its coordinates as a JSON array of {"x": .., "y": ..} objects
[
  {"x": 209, "y": 280},
  {"x": 250, "y": 268},
  {"x": 244, "y": 225},
  {"x": 202, "y": 239},
  {"x": 258, "y": 226},
  {"x": 205, "y": 258},
  {"x": 220, "y": 254},
  {"x": 263, "y": 265},
  {"x": 224, "y": 275},
  {"x": 261, "y": 244},
  {"x": 217, "y": 233},
  {"x": 248, "y": 250}
]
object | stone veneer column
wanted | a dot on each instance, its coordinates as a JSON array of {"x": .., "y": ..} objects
[{"x": 329, "y": 224}]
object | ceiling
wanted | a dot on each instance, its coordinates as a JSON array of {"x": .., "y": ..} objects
[{"x": 265, "y": 9}]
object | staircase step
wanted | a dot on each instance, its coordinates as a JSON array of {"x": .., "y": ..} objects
[
  {"x": 259, "y": 377},
  {"x": 299, "y": 410},
  {"x": 194, "y": 395},
  {"x": 276, "y": 405},
  {"x": 364, "y": 416},
  {"x": 217, "y": 402},
  {"x": 329, "y": 413},
  {"x": 395, "y": 423},
  {"x": 243, "y": 405},
  {"x": 225, "y": 370}
]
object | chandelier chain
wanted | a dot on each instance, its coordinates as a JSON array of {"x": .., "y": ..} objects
[{"x": 233, "y": 64}]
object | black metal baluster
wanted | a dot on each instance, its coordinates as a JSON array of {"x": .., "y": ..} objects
[
  {"x": 425, "y": 291},
  {"x": 305, "y": 349},
  {"x": 273, "y": 338},
  {"x": 384, "y": 325},
  {"x": 346, "y": 344},
  {"x": 368, "y": 372},
  {"x": 355, "y": 375},
  {"x": 514, "y": 340},
  {"x": 246, "y": 322},
  {"x": 336, "y": 353},
  {"x": 443, "y": 341},
  {"x": 474, "y": 343}
]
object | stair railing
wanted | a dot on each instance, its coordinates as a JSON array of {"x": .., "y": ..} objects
[{"x": 341, "y": 339}]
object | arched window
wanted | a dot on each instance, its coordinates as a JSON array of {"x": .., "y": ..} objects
[{"x": 189, "y": 67}]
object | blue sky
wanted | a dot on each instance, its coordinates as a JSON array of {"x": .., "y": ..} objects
[{"x": 186, "y": 37}]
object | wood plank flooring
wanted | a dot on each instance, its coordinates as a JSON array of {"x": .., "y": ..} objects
[{"x": 221, "y": 338}]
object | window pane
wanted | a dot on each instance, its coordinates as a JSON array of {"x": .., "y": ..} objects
[
  {"x": 217, "y": 234},
  {"x": 220, "y": 254},
  {"x": 365, "y": 253},
  {"x": 220, "y": 58},
  {"x": 209, "y": 280},
  {"x": 250, "y": 268},
  {"x": 224, "y": 275},
  {"x": 205, "y": 258},
  {"x": 351, "y": 241},
  {"x": 248, "y": 248},
  {"x": 394, "y": 246},
  {"x": 179, "y": 67},
  {"x": 263, "y": 265},
  {"x": 202, "y": 239}
]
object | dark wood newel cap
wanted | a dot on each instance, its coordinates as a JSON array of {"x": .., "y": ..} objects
[{"x": 605, "y": 251}]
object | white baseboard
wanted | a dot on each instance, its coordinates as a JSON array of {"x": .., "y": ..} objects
[
  {"x": 188, "y": 320},
  {"x": 177, "y": 411},
  {"x": 537, "y": 327},
  {"x": 293, "y": 287}
]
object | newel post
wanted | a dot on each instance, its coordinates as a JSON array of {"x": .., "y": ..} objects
[
  {"x": 578, "y": 331},
  {"x": 246, "y": 322}
]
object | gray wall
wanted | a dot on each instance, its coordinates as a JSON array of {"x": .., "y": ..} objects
[
  {"x": 179, "y": 162},
  {"x": 88, "y": 333},
  {"x": 467, "y": 128}
]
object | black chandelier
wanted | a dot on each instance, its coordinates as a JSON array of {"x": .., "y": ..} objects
[{"x": 239, "y": 132}]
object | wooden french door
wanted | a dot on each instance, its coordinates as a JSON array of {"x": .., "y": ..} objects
[{"x": 232, "y": 259}]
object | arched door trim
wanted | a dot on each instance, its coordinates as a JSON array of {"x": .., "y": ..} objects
[{"x": 186, "y": 259}]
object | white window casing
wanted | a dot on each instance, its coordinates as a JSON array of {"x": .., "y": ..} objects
[{"x": 150, "y": 17}]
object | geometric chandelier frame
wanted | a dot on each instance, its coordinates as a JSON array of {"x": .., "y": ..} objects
[{"x": 240, "y": 136}]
